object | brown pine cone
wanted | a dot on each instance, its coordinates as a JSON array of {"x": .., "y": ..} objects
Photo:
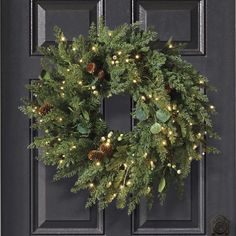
[
  {"x": 101, "y": 74},
  {"x": 91, "y": 67},
  {"x": 168, "y": 88},
  {"x": 106, "y": 148},
  {"x": 44, "y": 109},
  {"x": 95, "y": 155}
]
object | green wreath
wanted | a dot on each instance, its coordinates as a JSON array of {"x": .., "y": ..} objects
[{"x": 172, "y": 111}]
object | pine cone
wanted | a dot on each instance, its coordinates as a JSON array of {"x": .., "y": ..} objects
[
  {"x": 106, "y": 148},
  {"x": 101, "y": 74},
  {"x": 168, "y": 88},
  {"x": 95, "y": 155},
  {"x": 91, "y": 68},
  {"x": 45, "y": 108}
]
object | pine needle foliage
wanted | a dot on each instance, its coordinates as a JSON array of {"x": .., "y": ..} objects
[{"x": 172, "y": 113}]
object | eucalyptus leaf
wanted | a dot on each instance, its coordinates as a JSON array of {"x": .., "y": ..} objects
[
  {"x": 141, "y": 114},
  {"x": 86, "y": 115},
  {"x": 155, "y": 128},
  {"x": 45, "y": 75},
  {"x": 163, "y": 116},
  {"x": 83, "y": 129},
  {"x": 162, "y": 185}
]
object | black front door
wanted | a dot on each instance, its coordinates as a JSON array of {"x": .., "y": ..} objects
[{"x": 31, "y": 203}]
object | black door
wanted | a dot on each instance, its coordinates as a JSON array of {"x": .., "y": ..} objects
[{"x": 31, "y": 203}]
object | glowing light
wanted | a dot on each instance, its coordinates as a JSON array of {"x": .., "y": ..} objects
[{"x": 137, "y": 56}]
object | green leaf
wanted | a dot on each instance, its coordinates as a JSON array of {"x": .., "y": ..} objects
[
  {"x": 155, "y": 128},
  {"x": 163, "y": 116},
  {"x": 83, "y": 129},
  {"x": 86, "y": 115},
  {"x": 162, "y": 185},
  {"x": 45, "y": 75},
  {"x": 141, "y": 114}
]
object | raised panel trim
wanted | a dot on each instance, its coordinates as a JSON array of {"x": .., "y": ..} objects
[
  {"x": 185, "y": 231},
  {"x": 200, "y": 50},
  {"x": 35, "y": 24}
]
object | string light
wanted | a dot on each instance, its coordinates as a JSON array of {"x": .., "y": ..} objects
[
  {"x": 62, "y": 88},
  {"x": 178, "y": 172},
  {"x": 212, "y": 107},
  {"x": 150, "y": 95},
  {"x": 109, "y": 184},
  {"x": 127, "y": 60},
  {"x": 74, "y": 49},
  {"x": 63, "y": 38},
  {"x": 169, "y": 164},
  {"x": 94, "y": 48},
  {"x": 128, "y": 183},
  {"x": 114, "y": 57},
  {"x": 81, "y": 60},
  {"x": 61, "y": 161},
  {"x": 110, "y": 135},
  {"x": 93, "y": 87},
  {"x": 148, "y": 189},
  {"x": 143, "y": 98},
  {"x": 194, "y": 146},
  {"x": 169, "y": 108},
  {"x": 41, "y": 121},
  {"x": 174, "y": 106},
  {"x": 122, "y": 186},
  {"x": 173, "y": 166},
  {"x": 119, "y": 53},
  {"x": 199, "y": 135},
  {"x": 125, "y": 166},
  {"x": 103, "y": 139},
  {"x": 170, "y": 132},
  {"x": 137, "y": 56},
  {"x": 62, "y": 94},
  {"x": 74, "y": 147},
  {"x": 80, "y": 82},
  {"x": 203, "y": 153},
  {"x": 95, "y": 92},
  {"x": 164, "y": 143},
  {"x": 98, "y": 163},
  {"x": 157, "y": 98},
  {"x": 112, "y": 62},
  {"x": 60, "y": 119},
  {"x": 91, "y": 185},
  {"x": 190, "y": 158},
  {"x": 110, "y": 33},
  {"x": 59, "y": 139},
  {"x": 117, "y": 62},
  {"x": 145, "y": 154},
  {"x": 134, "y": 81},
  {"x": 68, "y": 70},
  {"x": 201, "y": 81},
  {"x": 170, "y": 45},
  {"x": 107, "y": 144},
  {"x": 46, "y": 131},
  {"x": 190, "y": 123}
]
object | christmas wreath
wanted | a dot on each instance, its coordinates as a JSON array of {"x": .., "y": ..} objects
[{"x": 172, "y": 113}]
